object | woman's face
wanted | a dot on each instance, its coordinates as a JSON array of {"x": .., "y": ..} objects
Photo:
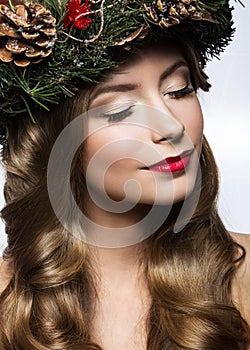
[{"x": 143, "y": 113}]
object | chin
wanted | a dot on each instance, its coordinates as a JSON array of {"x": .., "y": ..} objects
[
  {"x": 162, "y": 200},
  {"x": 168, "y": 193}
]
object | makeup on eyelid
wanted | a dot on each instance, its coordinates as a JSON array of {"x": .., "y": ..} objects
[
  {"x": 122, "y": 114},
  {"x": 104, "y": 93}
]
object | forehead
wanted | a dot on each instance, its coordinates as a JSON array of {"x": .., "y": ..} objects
[{"x": 153, "y": 59}]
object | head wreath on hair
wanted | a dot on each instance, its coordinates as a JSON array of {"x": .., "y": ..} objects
[{"x": 51, "y": 48}]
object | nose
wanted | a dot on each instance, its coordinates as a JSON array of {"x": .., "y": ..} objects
[{"x": 165, "y": 124}]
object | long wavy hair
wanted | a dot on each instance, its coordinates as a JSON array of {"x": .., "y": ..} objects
[{"x": 47, "y": 303}]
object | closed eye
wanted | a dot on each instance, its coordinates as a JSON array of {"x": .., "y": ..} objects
[
  {"x": 118, "y": 116},
  {"x": 180, "y": 93}
]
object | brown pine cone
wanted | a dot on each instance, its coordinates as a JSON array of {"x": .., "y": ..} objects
[
  {"x": 170, "y": 12},
  {"x": 26, "y": 35}
]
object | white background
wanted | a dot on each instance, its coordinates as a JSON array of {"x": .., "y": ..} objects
[
  {"x": 227, "y": 126},
  {"x": 227, "y": 123}
]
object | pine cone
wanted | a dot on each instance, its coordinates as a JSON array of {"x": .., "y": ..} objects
[
  {"x": 170, "y": 12},
  {"x": 26, "y": 35}
]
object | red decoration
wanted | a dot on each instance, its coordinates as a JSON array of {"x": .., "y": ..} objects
[{"x": 76, "y": 14}]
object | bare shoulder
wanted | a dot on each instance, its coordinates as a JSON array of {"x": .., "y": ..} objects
[
  {"x": 5, "y": 274},
  {"x": 242, "y": 239},
  {"x": 241, "y": 282}
]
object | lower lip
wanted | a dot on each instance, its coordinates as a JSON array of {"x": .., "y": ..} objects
[{"x": 172, "y": 167}]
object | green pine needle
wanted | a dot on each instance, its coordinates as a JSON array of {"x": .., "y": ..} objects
[{"x": 75, "y": 63}]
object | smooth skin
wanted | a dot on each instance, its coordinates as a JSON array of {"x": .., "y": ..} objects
[{"x": 147, "y": 110}]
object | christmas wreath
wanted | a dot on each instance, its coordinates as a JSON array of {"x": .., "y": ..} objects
[{"x": 51, "y": 48}]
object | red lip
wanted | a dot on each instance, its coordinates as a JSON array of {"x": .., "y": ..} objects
[{"x": 172, "y": 164}]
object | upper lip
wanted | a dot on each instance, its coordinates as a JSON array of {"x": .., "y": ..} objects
[{"x": 172, "y": 158}]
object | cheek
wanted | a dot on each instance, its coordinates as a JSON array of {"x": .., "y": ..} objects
[
  {"x": 109, "y": 145},
  {"x": 191, "y": 117},
  {"x": 109, "y": 159}
]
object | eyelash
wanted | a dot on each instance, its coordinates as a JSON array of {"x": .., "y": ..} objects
[
  {"x": 180, "y": 93},
  {"x": 116, "y": 117}
]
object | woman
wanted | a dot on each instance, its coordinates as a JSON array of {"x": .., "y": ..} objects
[{"x": 176, "y": 281}]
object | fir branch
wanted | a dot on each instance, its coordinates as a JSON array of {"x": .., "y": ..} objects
[
  {"x": 79, "y": 57},
  {"x": 27, "y": 108},
  {"x": 57, "y": 8}
]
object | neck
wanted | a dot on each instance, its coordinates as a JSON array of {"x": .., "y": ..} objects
[
  {"x": 112, "y": 262},
  {"x": 113, "y": 257},
  {"x": 116, "y": 262},
  {"x": 109, "y": 229}
]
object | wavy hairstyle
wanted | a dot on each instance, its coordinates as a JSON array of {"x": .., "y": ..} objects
[{"x": 47, "y": 303}]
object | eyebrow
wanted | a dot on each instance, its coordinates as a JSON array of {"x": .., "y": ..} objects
[
  {"x": 130, "y": 87},
  {"x": 171, "y": 69}
]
